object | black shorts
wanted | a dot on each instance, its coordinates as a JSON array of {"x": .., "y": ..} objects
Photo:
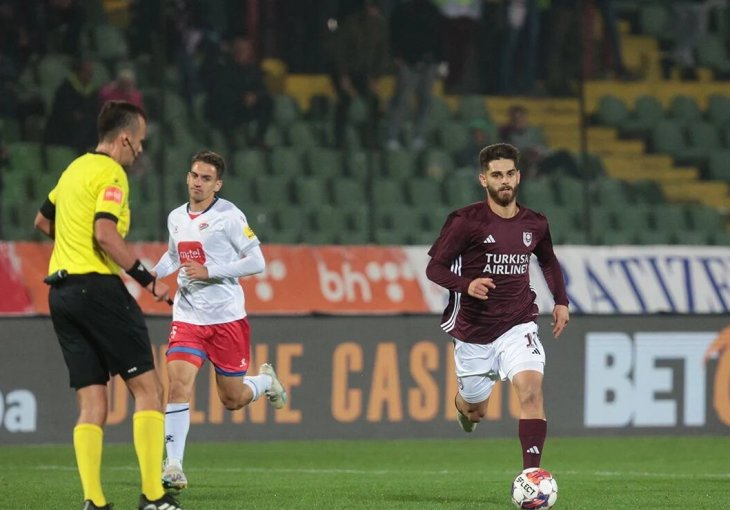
[{"x": 100, "y": 328}]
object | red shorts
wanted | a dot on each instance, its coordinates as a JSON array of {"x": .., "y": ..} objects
[{"x": 227, "y": 345}]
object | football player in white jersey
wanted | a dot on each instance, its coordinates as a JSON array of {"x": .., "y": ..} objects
[{"x": 212, "y": 246}]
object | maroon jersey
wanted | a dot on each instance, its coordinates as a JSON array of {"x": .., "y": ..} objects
[{"x": 476, "y": 243}]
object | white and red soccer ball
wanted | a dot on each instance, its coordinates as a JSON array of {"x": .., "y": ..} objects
[{"x": 534, "y": 488}]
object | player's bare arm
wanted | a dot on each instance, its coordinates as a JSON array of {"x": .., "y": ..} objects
[
  {"x": 113, "y": 244},
  {"x": 195, "y": 270},
  {"x": 561, "y": 316},
  {"x": 479, "y": 288}
]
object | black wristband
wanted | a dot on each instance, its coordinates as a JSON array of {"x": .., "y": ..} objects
[{"x": 140, "y": 273}]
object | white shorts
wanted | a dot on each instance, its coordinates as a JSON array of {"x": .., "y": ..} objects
[{"x": 479, "y": 366}]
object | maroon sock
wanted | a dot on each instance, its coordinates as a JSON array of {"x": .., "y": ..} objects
[{"x": 532, "y": 437}]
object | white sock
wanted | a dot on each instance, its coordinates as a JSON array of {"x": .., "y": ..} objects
[
  {"x": 177, "y": 424},
  {"x": 258, "y": 384}
]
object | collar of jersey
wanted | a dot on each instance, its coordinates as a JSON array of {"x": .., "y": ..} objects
[{"x": 203, "y": 211}]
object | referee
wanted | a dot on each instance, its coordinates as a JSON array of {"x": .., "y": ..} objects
[{"x": 99, "y": 325}]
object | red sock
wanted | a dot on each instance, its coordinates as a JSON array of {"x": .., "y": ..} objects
[{"x": 532, "y": 437}]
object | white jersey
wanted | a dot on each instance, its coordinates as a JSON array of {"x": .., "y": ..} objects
[{"x": 218, "y": 238}]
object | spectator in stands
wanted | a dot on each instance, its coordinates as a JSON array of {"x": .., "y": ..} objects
[
  {"x": 460, "y": 23},
  {"x": 417, "y": 52},
  {"x": 74, "y": 109},
  {"x": 64, "y": 21},
  {"x": 518, "y": 54},
  {"x": 359, "y": 56},
  {"x": 690, "y": 20},
  {"x": 537, "y": 158},
  {"x": 124, "y": 88},
  {"x": 237, "y": 96},
  {"x": 468, "y": 157},
  {"x": 563, "y": 44}
]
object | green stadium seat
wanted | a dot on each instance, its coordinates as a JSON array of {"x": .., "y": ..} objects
[
  {"x": 718, "y": 164},
  {"x": 635, "y": 220},
  {"x": 711, "y": 52},
  {"x": 272, "y": 189},
  {"x": 58, "y": 157},
  {"x": 473, "y": 107},
  {"x": 437, "y": 164},
  {"x": 328, "y": 219},
  {"x": 286, "y": 111},
  {"x": 388, "y": 191},
  {"x": 10, "y": 130},
  {"x": 611, "y": 237},
  {"x": 261, "y": 217},
  {"x": 721, "y": 238},
  {"x": 704, "y": 136},
  {"x": 705, "y": 219},
  {"x": 238, "y": 190},
  {"x": 424, "y": 192},
  {"x": 461, "y": 190},
  {"x": 287, "y": 161},
  {"x": 302, "y": 136},
  {"x": 273, "y": 136},
  {"x": 608, "y": 191},
  {"x": 26, "y": 156},
  {"x": 249, "y": 163},
  {"x": 693, "y": 238},
  {"x": 399, "y": 164},
  {"x": 646, "y": 192},
  {"x": 648, "y": 110},
  {"x": 570, "y": 191},
  {"x": 654, "y": 20},
  {"x": 718, "y": 109},
  {"x": 656, "y": 237},
  {"x": 612, "y": 112},
  {"x": 107, "y": 42},
  {"x": 348, "y": 191},
  {"x": 454, "y": 136},
  {"x": 433, "y": 217},
  {"x": 685, "y": 109},
  {"x": 326, "y": 163},
  {"x": 358, "y": 218},
  {"x": 311, "y": 191},
  {"x": 358, "y": 113},
  {"x": 668, "y": 137},
  {"x": 358, "y": 164},
  {"x": 670, "y": 217}
]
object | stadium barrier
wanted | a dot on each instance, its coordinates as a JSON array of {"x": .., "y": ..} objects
[
  {"x": 302, "y": 280},
  {"x": 391, "y": 377}
]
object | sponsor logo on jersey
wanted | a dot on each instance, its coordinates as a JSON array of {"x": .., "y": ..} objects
[
  {"x": 191, "y": 250},
  {"x": 249, "y": 233},
  {"x": 203, "y": 226},
  {"x": 113, "y": 194}
]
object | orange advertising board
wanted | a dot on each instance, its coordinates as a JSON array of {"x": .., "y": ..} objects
[{"x": 297, "y": 280}]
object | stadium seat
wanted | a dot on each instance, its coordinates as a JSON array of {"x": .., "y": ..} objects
[
  {"x": 646, "y": 192},
  {"x": 424, "y": 192},
  {"x": 635, "y": 219},
  {"x": 388, "y": 191},
  {"x": 655, "y": 237},
  {"x": 671, "y": 218},
  {"x": 461, "y": 190},
  {"x": 286, "y": 111},
  {"x": 311, "y": 191},
  {"x": 705, "y": 219},
  {"x": 348, "y": 191},
  {"x": 454, "y": 136},
  {"x": 238, "y": 190},
  {"x": 358, "y": 164},
  {"x": 107, "y": 42},
  {"x": 612, "y": 237},
  {"x": 612, "y": 112},
  {"x": 721, "y": 238},
  {"x": 26, "y": 156},
  {"x": 58, "y": 157},
  {"x": 325, "y": 163},
  {"x": 704, "y": 136},
  {"x": 287, "y": 161},
  {"x": 646, "y": 113},
  {"x": 473, "y": 107},
  {"x": 301, "y": 135},
  {"x": 718, "y": 109},
  {"x": 711, "y": 52},
  {"x": 399, "y": 164},
  {"x": 668, "y": 137},
  {"x": 608, "y": 191},
  {"x": 249, "y": 163},
  {"x": 433, "y": 217},
  {"x": 718, "y": 165},
  {"x": 271, "y": 189},
  {"x": 437, "y": 164},
  {"x": 329, "y": 219},
  {"x": 684, "y": 109},
  {"x": 654, "y": 20}
]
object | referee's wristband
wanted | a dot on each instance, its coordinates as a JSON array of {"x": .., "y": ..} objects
[{"x": 140, "y": 273}]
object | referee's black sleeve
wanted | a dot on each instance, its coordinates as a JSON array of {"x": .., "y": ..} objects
[{"x": 48, "y": 210}]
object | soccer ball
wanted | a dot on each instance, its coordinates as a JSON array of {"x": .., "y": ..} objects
[{"x": 534, "y": 488}]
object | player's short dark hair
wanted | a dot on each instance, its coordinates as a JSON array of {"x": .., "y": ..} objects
[
  {"x": 211, "y": 158},
  {"x": 115, "y": 116},
  {"x": 498, "y": 151}
]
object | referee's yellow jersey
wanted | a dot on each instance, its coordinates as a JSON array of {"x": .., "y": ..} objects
[{"x": 93, "y": 186}]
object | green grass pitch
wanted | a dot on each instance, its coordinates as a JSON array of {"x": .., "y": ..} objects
[{"x": 592, "y": 473}]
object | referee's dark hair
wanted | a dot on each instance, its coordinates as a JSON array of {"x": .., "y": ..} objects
[
  {"x": 212, "y": 158},
  {"x": 115, "y": 116}
]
